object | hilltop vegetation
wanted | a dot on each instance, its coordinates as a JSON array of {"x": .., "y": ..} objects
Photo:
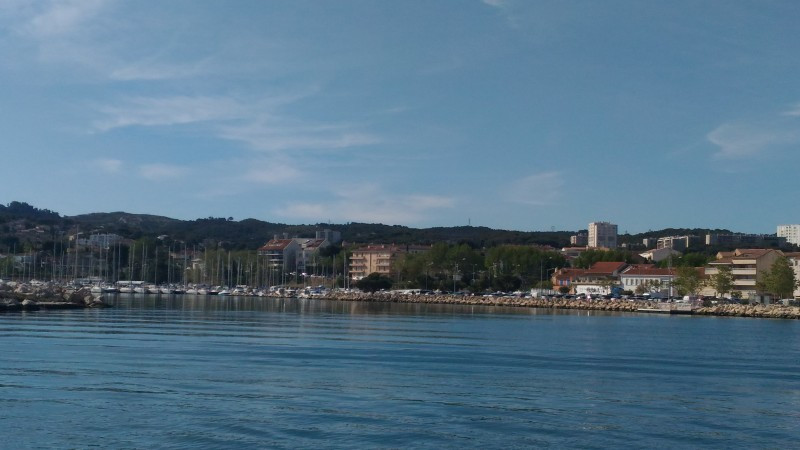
[
  {"x": 18, "y": 219},
  {"x": 22, "y": 224}
]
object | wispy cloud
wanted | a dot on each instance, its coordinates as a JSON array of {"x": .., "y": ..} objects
[
  {"x": 368, "y": 204},
  {"x": 108, "y": 165},
  {"x": 275, "y": 134},
  {"x": 537, "y": 189},
  {"x": 63, "y": 17},
  {"x": 144, "y": 111},
  {"x": 152, "y": 70},
  {"x": 259, "y": 124},
  {"x": 744, "y": 141},
  {"x": 795, "y": 111},
  {"x": 272, "y": 172},
  {"x": 495, "y": 3},
  {"x": 159, "y": 171}
]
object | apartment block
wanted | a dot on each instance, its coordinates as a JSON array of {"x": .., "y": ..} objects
[
  {"x": 373, "y": 259},
  {"x": 602, "y": 235},
  {"x": 747, "y": 267},
  {"x": 790, "y": 232}
]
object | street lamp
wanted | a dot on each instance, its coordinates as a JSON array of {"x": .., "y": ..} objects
[{"x": 541, "y": 269}]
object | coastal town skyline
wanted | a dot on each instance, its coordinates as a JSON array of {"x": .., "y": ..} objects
[{"x": 498, "y": 113}]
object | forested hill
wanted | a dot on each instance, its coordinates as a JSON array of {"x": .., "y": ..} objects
[
  {"x": 16, "y": 217},
  {"x": 250, "y": 233}
]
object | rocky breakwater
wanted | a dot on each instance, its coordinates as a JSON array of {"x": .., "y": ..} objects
[
  {"x": 589, "y": 305},
  {"x": 757, "y": 310},
  {"x": 24, "y": 297}
]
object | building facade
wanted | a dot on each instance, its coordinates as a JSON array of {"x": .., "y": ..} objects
[
  {"x": 748, "y": 266},
  {"x": 373, "y": 259},
  {"x": 790, "y": 232},
  {"x": 648, "y": 279},
  {"x": 578, "y": 240},
  {"x": 679, "y": 243},
  {"x": 602, "y": 235}
]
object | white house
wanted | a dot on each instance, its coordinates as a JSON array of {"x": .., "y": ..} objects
[{"x": 653, "y": 280}]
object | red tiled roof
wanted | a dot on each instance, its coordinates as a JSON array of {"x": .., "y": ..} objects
[
  {"x": 648, "y": 270},
  {"x": 276, "y": 244},
  {"x": 314, "y": 243},
  {"x": 562, "y": 274},
  {"x": 605, "y": 267}
]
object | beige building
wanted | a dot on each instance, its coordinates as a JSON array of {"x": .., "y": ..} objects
[
  {"x": 794, "y": 262},
  {"x": 748, "y": 266},
  {"x": 373, "y": 259}
]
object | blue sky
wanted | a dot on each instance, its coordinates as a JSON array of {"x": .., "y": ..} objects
[{"x": 525, "y": 115}]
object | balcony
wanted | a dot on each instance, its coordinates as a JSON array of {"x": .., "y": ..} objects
[{"x": 743, "y": 272}]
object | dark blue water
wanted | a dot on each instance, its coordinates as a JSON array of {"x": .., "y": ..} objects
[{"x": 256, "y": 373}]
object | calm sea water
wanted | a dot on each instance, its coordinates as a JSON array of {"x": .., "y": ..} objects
[{"x": 254, "y": 373}]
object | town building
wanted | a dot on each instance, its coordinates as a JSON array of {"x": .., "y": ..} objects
[
  {"x": 373, "y": 259},
  {"x": 599, "y": 279},
  {"x": 102, "y": 240},
  {"x": 659, "y": 254},
  {"x": 307, "y": 258},
  {"x": 790, "y": 232},
  {"x": 763, "y": 240},
  {"x": 679, "y": 243},
  {"x": 579, "y": 240},
  {"x": 280, "y": 253},
  {"x": 648, "y": 279},
  {"x": 748, "y": 266},
  {"x": 602, "y": 235},
  {"x": 333, "y": 237},
  {"x": 564, "y": 277},
  {"x": 794, "y": 262}
]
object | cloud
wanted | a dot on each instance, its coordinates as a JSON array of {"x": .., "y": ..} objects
[
  {"x": 743, "y": 141},
  {"x": 150, "y": 70},
  {"x": 495, "y": 3},
  {"x": 258, "y": 123},
  {"x": 144, "y": 111},
  {"x": 368, "y": 204},
  {"x": 63, "y": 17},
  {"x": 793, "y": 112},
  {"x": 108, "y": 165},
  {"x": 274, "y": 134},
  {"x": 162, "y": 171},
  {"x": 272, "y": 173},
  {"x": 538, "y": 189}
]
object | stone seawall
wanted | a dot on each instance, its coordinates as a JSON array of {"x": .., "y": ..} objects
[
  {"x": 28, "y": 298},
  {"x": 592, "y": 305},
  {"x": 758, "y": 310},
  {"x": 766, "y": 311}
]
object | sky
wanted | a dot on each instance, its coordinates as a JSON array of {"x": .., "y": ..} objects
[{"x": 525, "y": 115}]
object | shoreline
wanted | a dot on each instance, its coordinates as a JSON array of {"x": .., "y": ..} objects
[
  {"x": 754, "y": 311},
  {"x": 53, "y": 298}
]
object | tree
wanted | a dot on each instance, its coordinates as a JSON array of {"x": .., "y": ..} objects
[
  {"x": 780, "y": 278},
  {"x": 374, "y": 282},
  {"x": 722, "y": 281},
  {"x": 687, "y": 280}
]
